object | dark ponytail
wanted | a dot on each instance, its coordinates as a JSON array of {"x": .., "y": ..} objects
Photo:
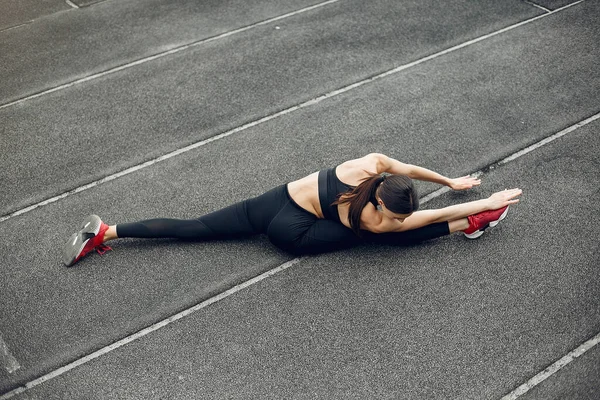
[{"x": 396, "y": 191}]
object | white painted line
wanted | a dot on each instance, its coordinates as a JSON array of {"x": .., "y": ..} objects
[
  {"x": 165, "y": 53},
  {"x": 150, "y": 329},
  {"x": 552, "y": 369},
  {"x": 444, "y": 189},
  {"x": 8, "y": 362},
  {"x": 518, "y": 154},
  {"x": 538, "y": 6},
  {"x": 269, "y": 117},
  {"x": 15, "y": 27},
  {"x": 70, "y": 3},
  {"x": 435, "y": 194},
  {"x": 549, "y": 139}
]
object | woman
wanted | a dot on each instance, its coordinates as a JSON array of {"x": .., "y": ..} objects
[{"x": 368, "y": 199}]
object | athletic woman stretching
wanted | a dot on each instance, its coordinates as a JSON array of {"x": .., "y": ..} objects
[{"x": 367, "y": 199}]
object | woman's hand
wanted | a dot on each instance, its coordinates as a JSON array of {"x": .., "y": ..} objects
[
  {"x": 504, "y": 198},
  {"x": 464, "y": 182}
]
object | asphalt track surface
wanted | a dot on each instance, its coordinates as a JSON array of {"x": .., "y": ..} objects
[{"x": 140, "y": 109}]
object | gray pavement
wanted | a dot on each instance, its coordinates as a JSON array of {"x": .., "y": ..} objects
[
  {"x": 551, "y": 4},
  {"x": 451, "y": 318},
  {"x": 579, "y": 380},
  {"x": 473, "y": 319},
  {"x": 21, "y": 12},
  {"x": 192, "y": 95},
  {"x": 81, "y": 42}
]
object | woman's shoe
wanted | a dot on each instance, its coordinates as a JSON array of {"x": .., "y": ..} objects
[
  {"x": 89, "y": 237},
  {"x": 480, "y": 221}
]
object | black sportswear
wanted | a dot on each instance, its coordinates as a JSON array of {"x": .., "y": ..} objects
[{"x": 288, "y": 226}]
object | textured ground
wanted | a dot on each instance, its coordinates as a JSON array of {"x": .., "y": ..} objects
[{"x": 241, "y": 96}]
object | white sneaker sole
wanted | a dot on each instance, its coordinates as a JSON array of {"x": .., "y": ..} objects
[
  {"x": 492, "y": 224},
  {"x": 78, "y": 240}
]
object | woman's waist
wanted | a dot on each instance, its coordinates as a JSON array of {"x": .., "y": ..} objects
[{"x": 305, "y": 196}]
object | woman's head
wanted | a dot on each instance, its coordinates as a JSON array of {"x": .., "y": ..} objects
[
  {"x": 397, "y": 196},
  {"x": 394, "y": 193}
]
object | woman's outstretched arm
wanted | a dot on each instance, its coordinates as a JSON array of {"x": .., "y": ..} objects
[
  {"x": 459, "y": 211},
  {"x": 450, "y": 214},
  {"x": 388, "y": 164}
]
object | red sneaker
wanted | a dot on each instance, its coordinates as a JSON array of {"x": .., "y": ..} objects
[
  {"x": 89, "y": 237},
  {"x": 480, "y": 221}
]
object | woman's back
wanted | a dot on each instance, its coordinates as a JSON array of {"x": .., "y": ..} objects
[{"x": 305, "y": 191}]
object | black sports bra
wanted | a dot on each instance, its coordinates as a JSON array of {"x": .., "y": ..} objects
[{"x": 330, "y": 189}]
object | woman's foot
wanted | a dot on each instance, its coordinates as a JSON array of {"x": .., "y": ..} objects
[
  {"x": 480, "y": 221},
  {"x": 89, "y": 237}
]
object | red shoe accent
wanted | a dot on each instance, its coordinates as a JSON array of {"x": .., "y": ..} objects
[
  {"x": 480, "y": 221},
  {"x": 101, "y": 249},
  {"x": 95, "y": 243}
]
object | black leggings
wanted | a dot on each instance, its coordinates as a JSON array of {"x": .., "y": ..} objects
[{"x": 275, "y": 214}]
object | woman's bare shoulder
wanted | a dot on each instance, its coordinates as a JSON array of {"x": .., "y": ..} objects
[
  {"x": 370, "y": 219},
  {"x": 354, "y": 171}
]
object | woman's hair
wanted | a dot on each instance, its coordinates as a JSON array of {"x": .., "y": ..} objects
[{"x": 396, "y": 191}]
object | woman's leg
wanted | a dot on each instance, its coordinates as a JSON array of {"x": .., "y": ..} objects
[
  {"x": 229, "y": 222},
  {"x": 419, "y": 228},
  {"x": 459, "y": 225},
  {"x": 325, "y": 236},
  {"x": 159, "y": 228},
  {"x": 242, "y": 219},
  {"x": 245, "y": 218},
  {"x": 298, "y": 231},
  {"x": 412, "y": 236}
]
